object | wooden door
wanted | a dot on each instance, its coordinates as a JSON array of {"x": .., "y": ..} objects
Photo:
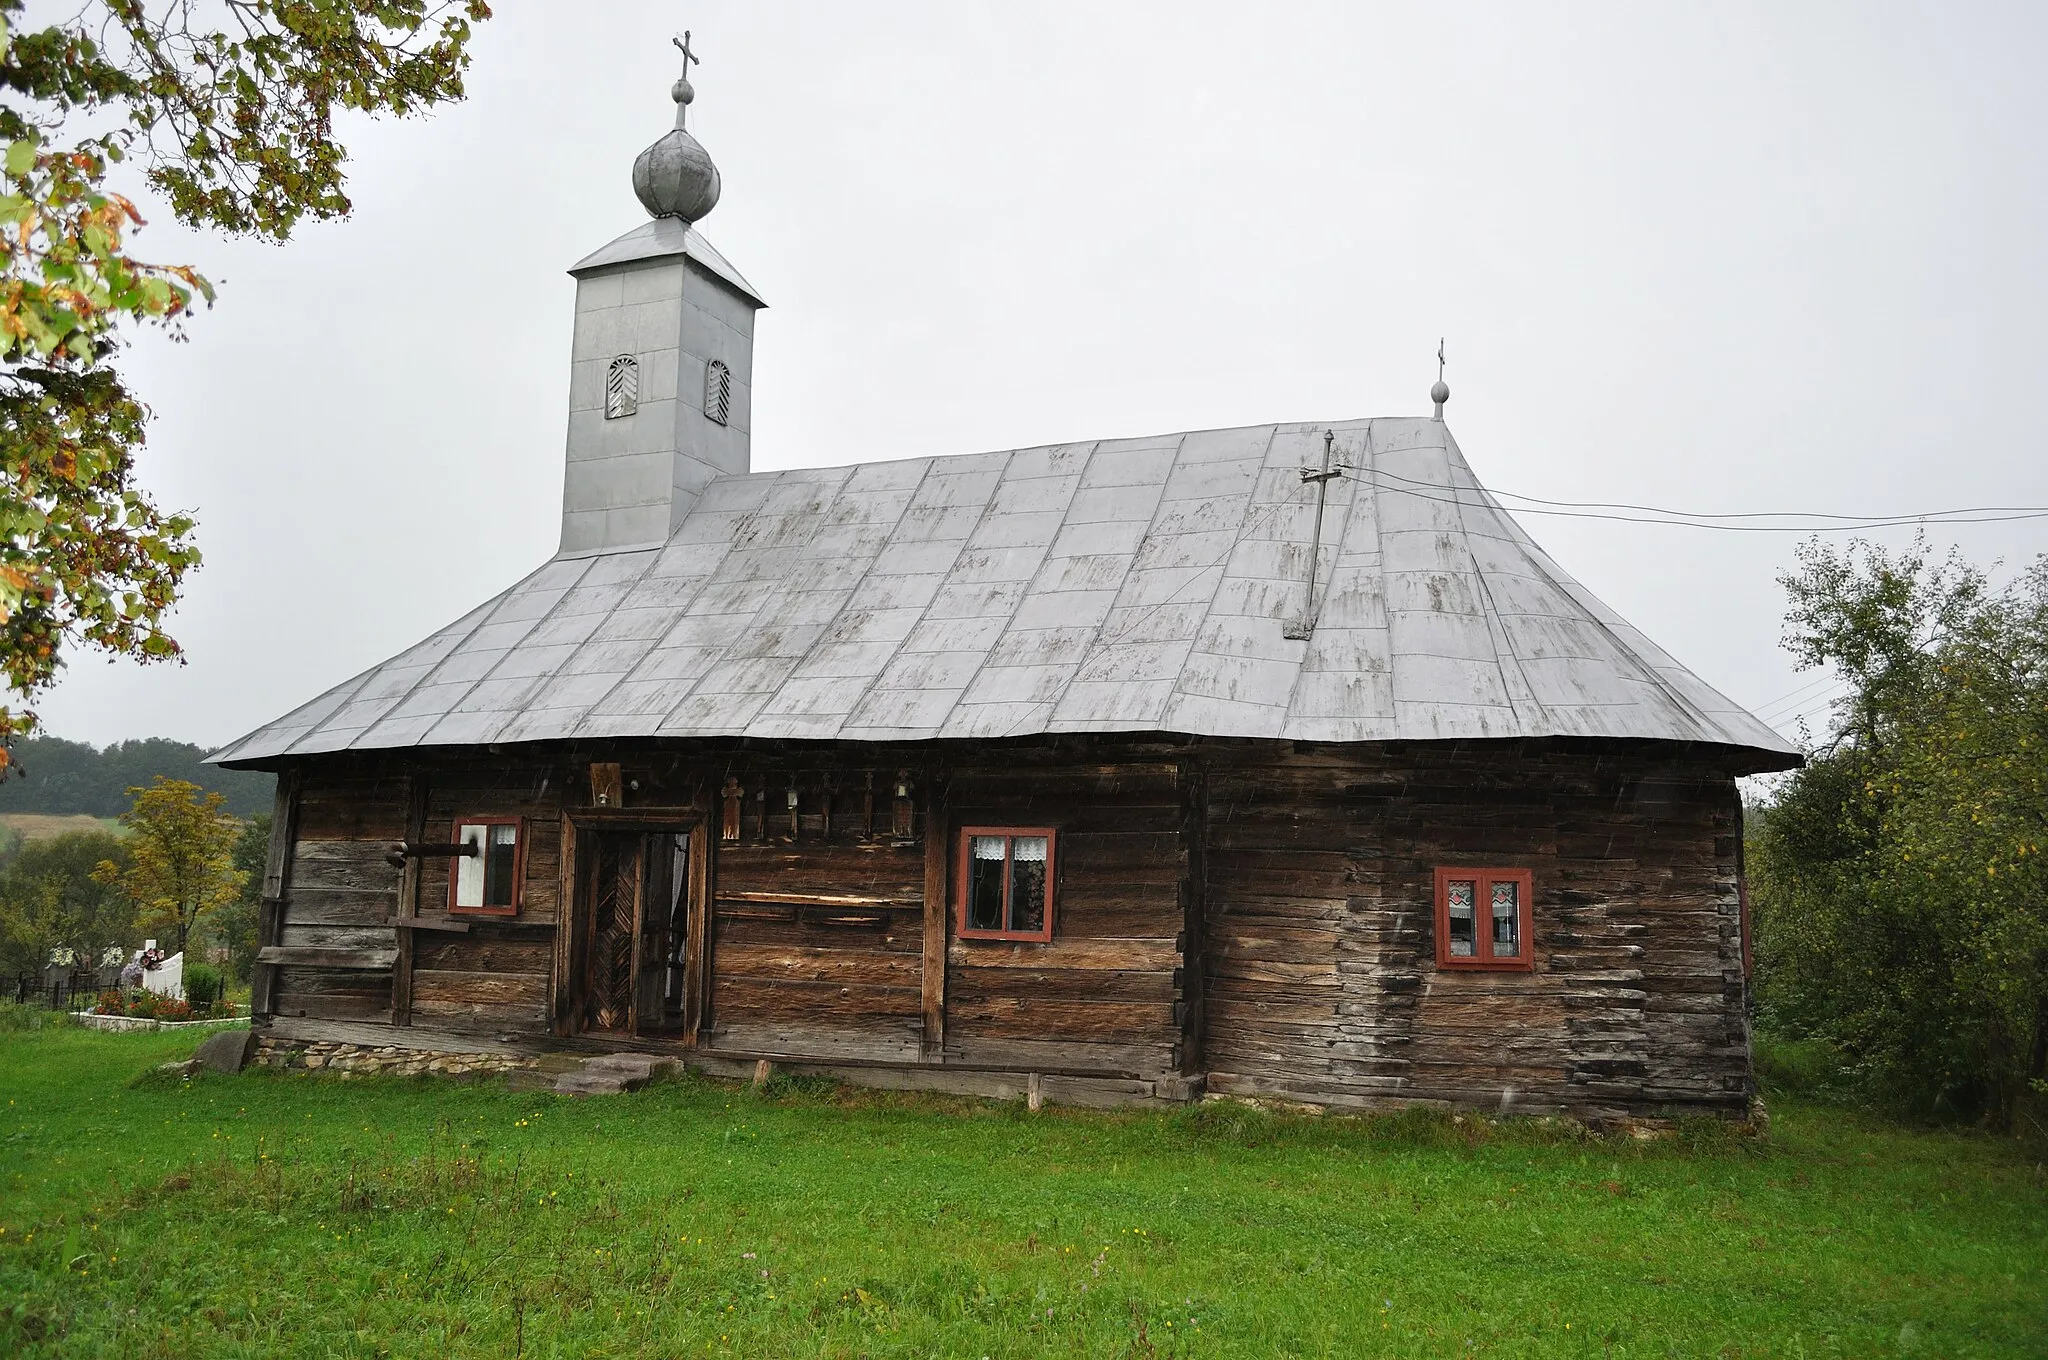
[{"x": 617, "y": 876}]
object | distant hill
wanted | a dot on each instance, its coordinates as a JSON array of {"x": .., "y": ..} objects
[{"x": 65, "y": 778}]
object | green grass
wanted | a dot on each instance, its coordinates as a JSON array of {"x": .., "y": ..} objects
[{"x": 274, "y": 1214}]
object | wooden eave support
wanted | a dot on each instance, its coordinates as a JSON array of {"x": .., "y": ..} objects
[{"x": 276, "y": 880}]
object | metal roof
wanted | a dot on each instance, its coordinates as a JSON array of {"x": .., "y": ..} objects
[
  {"x": 659, "y": 239},
  {"x": 1130, "y": 585}
]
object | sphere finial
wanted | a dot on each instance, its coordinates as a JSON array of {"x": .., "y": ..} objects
[
  {"x": 1440, "y": 391},
  {"x": 675, "y": 176}
]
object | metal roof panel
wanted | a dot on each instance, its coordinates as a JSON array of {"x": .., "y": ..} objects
[{"x": 1057, "y": 588}]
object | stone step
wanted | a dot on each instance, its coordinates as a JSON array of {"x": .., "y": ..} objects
[
  {"x": 645, "y": 1066},
  {"x": 596, "y": 1084}
]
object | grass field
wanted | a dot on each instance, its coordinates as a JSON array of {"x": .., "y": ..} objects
[
  {"x": 41, "y": 826},
  {"x": 273, "y": 1214}
]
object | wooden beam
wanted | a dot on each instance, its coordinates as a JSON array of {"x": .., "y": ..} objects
[
  {"x": 409, "y": 897},
  {"x": 802, "y": 899},
  {"x": 1194, "y": 835},
  {"x": 937, "y": 835},
  {"x": 270, "y": 907},
  {"x": 697, "y": 936},
  {"x": 430, "y": 923},
  {"x": 315, "y": 956}
]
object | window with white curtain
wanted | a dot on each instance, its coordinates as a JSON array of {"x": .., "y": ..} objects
[{"x": 1007, "y": 882}]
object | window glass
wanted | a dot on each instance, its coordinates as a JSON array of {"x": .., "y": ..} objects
[
  {"x": 487, "y": 879},
  {"x": 1507, "y": 919},
  {"x": 986, "y": 857},
  {"x": 1461, "y": 892},
  {"x": 500, "y": 858},
  {"x": 469, "y": 869},
  {"x": 1027, "y": 883}
]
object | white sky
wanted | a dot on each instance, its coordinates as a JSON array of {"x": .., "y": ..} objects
[{"x": 1713, "y": 257}]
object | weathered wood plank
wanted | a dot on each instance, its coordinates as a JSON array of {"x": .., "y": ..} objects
[
  {"x": 319, "y": 957},
  {"x": 479, "y": 952},
  {"x": 339, "y": 906},
  {"x": 743, "y": 1001},
  {"x": 840, "y": 967},
  {"x": 1155, "y": 955},
  {"x": 527, "y": 990}
]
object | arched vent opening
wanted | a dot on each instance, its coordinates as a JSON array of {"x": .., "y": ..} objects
[
  {"x": 622, "y": 387},
  {"x": 718, "y": 392}
]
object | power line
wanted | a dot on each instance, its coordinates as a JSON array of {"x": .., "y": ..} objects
[
  {"x": 1698, "y": 519},
  {"x": 1810, "y": 685},
  {"x": 1809, "y": 704}
]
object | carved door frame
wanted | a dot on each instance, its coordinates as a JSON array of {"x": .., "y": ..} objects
[{"x": 580, "y": 829}]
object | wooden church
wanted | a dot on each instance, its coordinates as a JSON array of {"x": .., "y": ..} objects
[{"x": 1274, "y": 761}]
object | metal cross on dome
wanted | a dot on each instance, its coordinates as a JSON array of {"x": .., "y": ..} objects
[{"x": 684, "y": 93}]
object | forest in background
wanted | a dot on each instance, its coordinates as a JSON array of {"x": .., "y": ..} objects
[{"x": 58, "y": 777}]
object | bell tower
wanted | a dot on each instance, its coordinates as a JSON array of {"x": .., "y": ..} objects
[{"x": 662, "y": 369}]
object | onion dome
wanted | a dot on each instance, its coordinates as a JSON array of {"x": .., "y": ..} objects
[{"x": 675, "y": 176}]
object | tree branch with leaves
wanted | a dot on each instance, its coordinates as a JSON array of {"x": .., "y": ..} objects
[{"x": 229, "y": 112}]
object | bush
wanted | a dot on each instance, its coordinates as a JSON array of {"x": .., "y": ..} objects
[{"x": 204, "y": 986}]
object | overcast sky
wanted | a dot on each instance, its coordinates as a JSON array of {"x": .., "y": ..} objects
[{"x": 1717, "y": 257}]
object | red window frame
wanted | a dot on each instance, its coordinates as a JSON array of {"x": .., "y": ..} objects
[
  {"x": 1482, "y": 958},
  {"x": 960, "y": 882},
  {"x": 518, "y": 825}
]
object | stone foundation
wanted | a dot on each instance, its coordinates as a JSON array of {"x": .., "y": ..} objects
[{"x": 388, "y": 1061}]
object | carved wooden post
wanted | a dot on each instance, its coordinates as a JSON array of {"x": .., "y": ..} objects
[
  {"x": 729, "y": 818},
  {"x": 902, "y": 810},
  {"x": 568, "y": 921},
  {"x": 932, "y": 1005},
  {"x": 697, "y": 932}
]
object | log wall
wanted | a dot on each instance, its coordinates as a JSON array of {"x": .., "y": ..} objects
[
  {"x": 1258, "y": 915},
  {"x": 1104, "y": 993},
  {"x": 1322, "y": 980}
]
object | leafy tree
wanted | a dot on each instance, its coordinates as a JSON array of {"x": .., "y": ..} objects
[
  {"x": 1899, "y": 880},
  {"x": 234, "y": 925},
  {"x": 233, "y": 125},
  {"x": 52, "y": 900},
  {"x": 181, "y": 855}
]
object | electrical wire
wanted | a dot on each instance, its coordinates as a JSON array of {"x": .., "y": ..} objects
[
  {"x": 1803, "y": 690},
  {"x": 1690, "y": 519},
  {"x": 1808, "y": 704}
]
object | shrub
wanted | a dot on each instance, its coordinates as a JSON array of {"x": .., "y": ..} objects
[{"x": 203, "y": 986}]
